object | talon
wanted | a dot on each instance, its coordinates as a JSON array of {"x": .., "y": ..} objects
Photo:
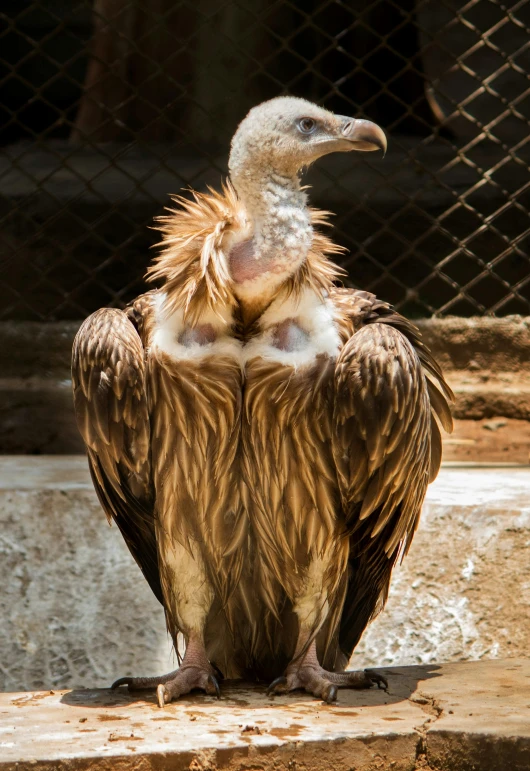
[
  {"x": 331, "y": 695},
  {"x": 271, "y": 690},
  {"x": 218, "y": 672},
  {"x": 213, "y": 681},
  {"x": 161, "y": 696},
  {"x": 120, "y": 681},
  {"x": 376, "y": 678}
]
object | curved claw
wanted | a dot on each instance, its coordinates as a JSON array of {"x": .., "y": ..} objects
[
  {"x": 213, "y": 681},
  {"x": 120, "y": 681},
  {"x": 271, "y": 690},
  {"x": 375, "y": 677},
  {"x": 218, "y": 672},
  {"x": 161, "y": 696},
  {"x": 331, "y": 695}
]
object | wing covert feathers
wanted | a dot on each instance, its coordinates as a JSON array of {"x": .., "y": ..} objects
[
  {"x": 386, "y": 444},
  {"x": 382, "y": 431},
  {"x": 108, "y": 375}
]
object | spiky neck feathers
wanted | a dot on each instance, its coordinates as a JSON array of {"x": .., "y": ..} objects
[{"x": 201, "y": 237}]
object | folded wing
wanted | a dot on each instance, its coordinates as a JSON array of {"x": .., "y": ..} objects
[
  {"x": 108, "y": 374},
  {"x": 386, "y": 447}
]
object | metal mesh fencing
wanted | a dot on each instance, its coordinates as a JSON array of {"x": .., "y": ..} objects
[{"x": 107, "y": 107}]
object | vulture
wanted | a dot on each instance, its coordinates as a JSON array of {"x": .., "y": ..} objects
[{"x": 262, "y": 437}]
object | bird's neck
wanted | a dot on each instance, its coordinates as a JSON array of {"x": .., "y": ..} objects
[{"x": 280, "y": 233}]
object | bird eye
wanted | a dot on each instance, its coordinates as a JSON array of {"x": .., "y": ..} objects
[{"x": 307, "y": 125}]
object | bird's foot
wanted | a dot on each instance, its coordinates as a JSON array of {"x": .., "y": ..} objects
[
  {"x": 313, "y": 679},
  {"x": 195, "y": 672},
  {"x": 185, "y": 680},
  {"x": 171, "y": 686}
]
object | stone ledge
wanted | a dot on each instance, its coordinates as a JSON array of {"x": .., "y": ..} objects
[
  {"x": 471, "y": 715},
  {"x": 489, "y": 394}
]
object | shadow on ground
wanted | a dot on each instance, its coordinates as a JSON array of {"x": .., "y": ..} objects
[{"x": 402, "y": 682}]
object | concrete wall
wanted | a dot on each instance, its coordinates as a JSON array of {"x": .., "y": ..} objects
[
  {"x": 75, "y": 609},
  {"x": 463, "y": 592}
]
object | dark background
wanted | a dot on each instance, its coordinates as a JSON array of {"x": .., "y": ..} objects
[{"x": 108, "y": 107}]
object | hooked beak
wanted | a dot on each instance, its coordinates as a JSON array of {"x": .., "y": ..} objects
[{"x": 363, "y": 134}]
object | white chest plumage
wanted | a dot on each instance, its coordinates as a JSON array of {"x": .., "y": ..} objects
[
  {"x": 293, "y": 331},
  {"x": 211, "y": 336}
]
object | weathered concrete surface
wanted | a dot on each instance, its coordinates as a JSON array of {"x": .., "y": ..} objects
[
  {"x": 491, "y": 440},
  {"x": 479, "y": 344},
  {"x": 463, "y": 592},
  {"x": 463, "y": 716},
  {"x": 486, "y": 360},
  {"x": 76, "y": 611}
]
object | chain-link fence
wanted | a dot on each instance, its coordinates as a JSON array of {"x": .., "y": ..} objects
[{"x": 106, "y": 107}]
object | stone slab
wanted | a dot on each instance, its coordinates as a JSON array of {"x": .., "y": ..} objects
[
  {"x": 56, "y": 472},
  {"x": 472, "y": 715},
  {"x": 75, "y": 609}
]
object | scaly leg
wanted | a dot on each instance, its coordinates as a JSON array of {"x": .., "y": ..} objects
[
  {"x": 304, "y": 672},
  {"x": 188, "y": 597},
  {"x": 194, "y": 672}
]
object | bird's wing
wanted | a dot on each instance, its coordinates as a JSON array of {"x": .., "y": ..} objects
[
  {"x": 386, "y": 445},
  {"x": 108, "y": 375}
]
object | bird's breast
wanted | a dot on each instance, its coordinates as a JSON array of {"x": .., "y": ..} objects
[
  {"x": 289, "y": 335},
  {"x": 209, "y": 337},
  {"x": 296, "y": 331}
]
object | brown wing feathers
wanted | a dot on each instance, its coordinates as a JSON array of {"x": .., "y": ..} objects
[
  {"x": 382, "y": 425},
  {"x": 386, "y": 445},
  {"x": 108, "y": 375}
]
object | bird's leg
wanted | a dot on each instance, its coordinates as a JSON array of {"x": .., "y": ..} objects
[
  {"x": 304, "y": 672},
  {"x": 188, "y": 597},
  {"x": 194, "y": 672}
]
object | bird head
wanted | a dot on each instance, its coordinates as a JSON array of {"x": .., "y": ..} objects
[{"x": 286, "y": 134}]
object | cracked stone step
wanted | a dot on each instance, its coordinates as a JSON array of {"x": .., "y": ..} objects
[{"x": 467, "y": 715}]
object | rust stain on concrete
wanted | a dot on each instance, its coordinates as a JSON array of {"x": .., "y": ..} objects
[{"x": 283, "y": 733}]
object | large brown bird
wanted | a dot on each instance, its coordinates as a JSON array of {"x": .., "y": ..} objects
[{"x": 262, "y": 438}]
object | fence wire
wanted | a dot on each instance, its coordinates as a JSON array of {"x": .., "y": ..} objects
[{"x": 107, "y": 107}]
